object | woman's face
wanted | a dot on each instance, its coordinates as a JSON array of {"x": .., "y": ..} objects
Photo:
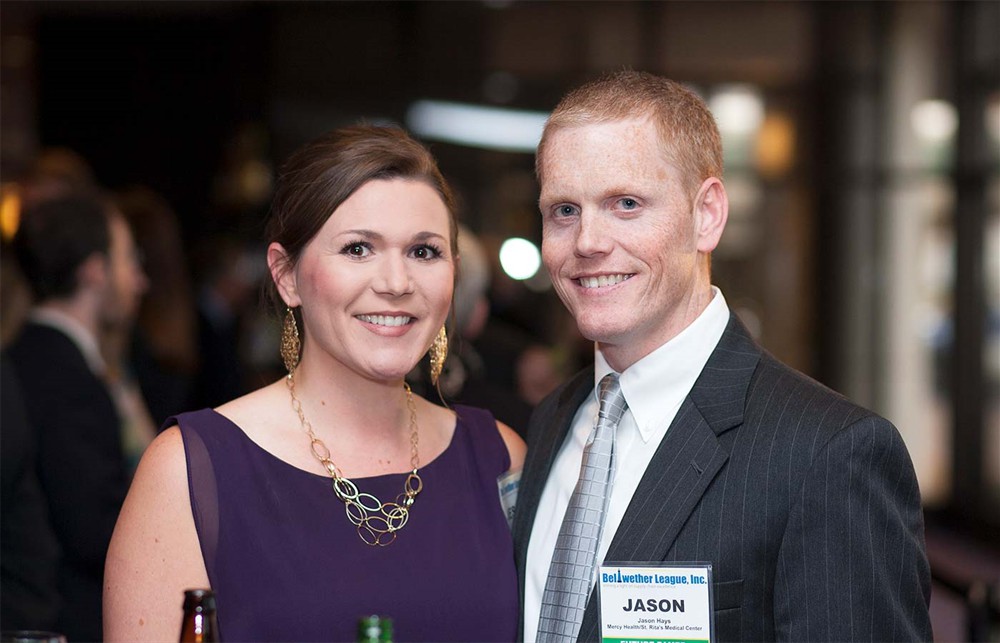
[{"x": 375, "y": 284}]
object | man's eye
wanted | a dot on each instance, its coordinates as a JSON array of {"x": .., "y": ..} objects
[
  {"x": 629, "y": 203},
  {"x": 565, "y": 211}
]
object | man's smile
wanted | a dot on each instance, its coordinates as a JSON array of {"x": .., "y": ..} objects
[{"x": 602, "y": 281}]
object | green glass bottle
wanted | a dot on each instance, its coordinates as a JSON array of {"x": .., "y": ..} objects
[{"x": 374, "y": 629}]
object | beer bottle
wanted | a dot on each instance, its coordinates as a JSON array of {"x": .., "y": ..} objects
[
  {"x": 374, "y": 629},
  {"x": 199, "y": 624}
]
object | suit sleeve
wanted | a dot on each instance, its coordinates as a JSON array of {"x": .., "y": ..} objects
[
  {"x": 81, "y": 468},
  {"x": 852, "y": 564}
]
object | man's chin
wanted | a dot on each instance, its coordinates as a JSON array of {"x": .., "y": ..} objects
[{"x": 600, "y": 333}]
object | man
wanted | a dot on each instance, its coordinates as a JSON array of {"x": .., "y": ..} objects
[
  {"x": 79, "y": 259},
  {"x": 805, "y": 505}
]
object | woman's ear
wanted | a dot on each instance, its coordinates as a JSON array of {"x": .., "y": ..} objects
[
  {"x": 280, "y": 266},
  {"x": 711, "y": 210}
]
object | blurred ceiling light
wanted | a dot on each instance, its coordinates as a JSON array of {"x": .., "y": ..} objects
[
  {"x": 775, "y": 150},
  {"x": 739, "y": 109},
  {"x": 519, "y": 258},
  {"x": 934, "y": 121},
  {"x": 492, "y": 128},
  {"x": 10, "y": 212}
]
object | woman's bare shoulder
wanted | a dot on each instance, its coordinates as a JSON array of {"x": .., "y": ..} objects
[
  {"x": 154, "y": 553},
  {"x": 515, "y": 445}
]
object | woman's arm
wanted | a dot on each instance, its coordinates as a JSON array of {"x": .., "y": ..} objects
[
  {"x": 154, "y": 554},
  {"x": 515, "y": 446}
]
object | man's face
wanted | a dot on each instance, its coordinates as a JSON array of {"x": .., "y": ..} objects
[
  {"x": 126, "y": 279},
  {"x": 625, "y": 246}
]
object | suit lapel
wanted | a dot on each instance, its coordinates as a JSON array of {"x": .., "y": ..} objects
[
  {"x": 686, "y": 460},
  {"x": 550, "y": 429}
]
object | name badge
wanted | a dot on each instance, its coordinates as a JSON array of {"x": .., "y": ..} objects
[
  {"x": 656, "y": 603},
  {"x": 507, "y": 485}
]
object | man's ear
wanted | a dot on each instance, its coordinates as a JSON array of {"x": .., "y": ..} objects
[
  {"x": 93, "y": 272},
  {"x": 282, "y": 274},
  {"x": 711, "y": 211}
]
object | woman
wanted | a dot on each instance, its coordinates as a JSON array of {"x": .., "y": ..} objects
[{"x": 334, "y": 492}]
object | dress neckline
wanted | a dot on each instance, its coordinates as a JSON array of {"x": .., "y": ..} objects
[{"x": 424, "y": 467}]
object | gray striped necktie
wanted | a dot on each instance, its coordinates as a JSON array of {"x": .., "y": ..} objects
[{"x": 568, "y": 585}]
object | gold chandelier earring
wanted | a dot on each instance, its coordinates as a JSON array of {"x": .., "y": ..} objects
[
  {"x": 438, "y": 352},
  {"x": 291, "y": 346}
]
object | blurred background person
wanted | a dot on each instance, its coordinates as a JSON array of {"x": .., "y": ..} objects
[
  {"x": 228, "y": 281},
  {"x": 465, "y": 377},
  {"x": 164, "y": 344},
  {"x": 538, "y": 373},
  {"x": 15, "y": 296},
  {"x": 29, "y": 552},
  {"x": 78, "y": 256}
]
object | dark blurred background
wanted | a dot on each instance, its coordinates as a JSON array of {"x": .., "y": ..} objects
[{"x": 863, "y": 167}]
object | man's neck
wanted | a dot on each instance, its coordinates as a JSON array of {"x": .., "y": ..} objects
[
  {"x": 79, "y": 327},
  {"x": 625, "y": 353},
  {"x": 77, "y": 309}
]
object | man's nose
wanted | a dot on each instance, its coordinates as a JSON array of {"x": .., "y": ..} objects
[{"x": 592, "y": 236}]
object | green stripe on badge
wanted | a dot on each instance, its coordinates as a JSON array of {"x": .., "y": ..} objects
[{"x": 651, "y": 640}]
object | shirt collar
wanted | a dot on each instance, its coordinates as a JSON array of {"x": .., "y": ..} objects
[
  {"x": 655, "y": 386},
  {"x": 77, "y": 333}
]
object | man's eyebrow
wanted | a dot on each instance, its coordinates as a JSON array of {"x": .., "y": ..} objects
[{"x": 554, "y": 197}]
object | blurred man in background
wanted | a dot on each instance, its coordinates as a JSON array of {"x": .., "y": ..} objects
[{"x": 79, "y": 258}]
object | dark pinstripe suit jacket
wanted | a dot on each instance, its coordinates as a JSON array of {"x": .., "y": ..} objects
[{"x": 805, "y": 504}]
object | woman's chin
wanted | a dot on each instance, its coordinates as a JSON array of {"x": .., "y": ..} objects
[{"x": 389, "y": 372}]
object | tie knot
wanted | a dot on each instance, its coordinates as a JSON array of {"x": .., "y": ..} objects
[{"x": 612, "y": 399}]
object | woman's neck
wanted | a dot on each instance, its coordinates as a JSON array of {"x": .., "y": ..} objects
[{"x": 345, "y": 405}]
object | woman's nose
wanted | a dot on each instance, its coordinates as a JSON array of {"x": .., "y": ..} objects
[{"x": 394, "y": 277}]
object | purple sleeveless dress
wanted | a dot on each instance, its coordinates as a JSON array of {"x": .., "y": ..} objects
[{"x": 286, "y": 564}]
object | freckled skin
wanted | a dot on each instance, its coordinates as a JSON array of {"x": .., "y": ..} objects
[{"x": 611, "y": 204}]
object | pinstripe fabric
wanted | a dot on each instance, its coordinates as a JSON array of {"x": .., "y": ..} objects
[
  {"x": 571, "y": 572},
  {"x": 805, "y": 504}
]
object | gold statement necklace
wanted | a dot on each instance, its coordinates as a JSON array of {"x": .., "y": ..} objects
[{"x": 377, "y": 521}]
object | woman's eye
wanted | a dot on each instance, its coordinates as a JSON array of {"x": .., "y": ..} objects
[
  {"x": 426, "y": 252},
  {"x": 356, "y": 249}
]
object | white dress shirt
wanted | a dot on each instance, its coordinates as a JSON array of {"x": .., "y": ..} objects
[{"x": 654, "y": 388}]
